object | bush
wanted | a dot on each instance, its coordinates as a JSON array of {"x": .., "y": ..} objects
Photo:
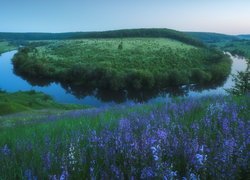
[
  {"x": 199, "y": 76},
  {"x": 177, "y": 78}
]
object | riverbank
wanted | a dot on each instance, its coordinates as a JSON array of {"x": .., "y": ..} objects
[
  {"x": 6, "y": 46},
  {"x": 29, "y": 102}
]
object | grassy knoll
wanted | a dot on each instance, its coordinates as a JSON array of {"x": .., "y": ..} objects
[
  {"x": 126, "y": 63},
  {"x": 29, "y": 101},
  {"x": 5, "y": 46},
  {"x": 205, "y": 138}
]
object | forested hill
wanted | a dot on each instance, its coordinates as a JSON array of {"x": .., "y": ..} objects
[
  {"x": 244, "y": 36},
  {"x": 212, "y": 37},
  {"x": 125, "y": 33}
]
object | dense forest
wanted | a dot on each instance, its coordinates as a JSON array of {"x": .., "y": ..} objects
[{"x": 237, "y": 45}]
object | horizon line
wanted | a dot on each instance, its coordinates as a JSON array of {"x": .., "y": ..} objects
[{"x": 61, "y": 32}]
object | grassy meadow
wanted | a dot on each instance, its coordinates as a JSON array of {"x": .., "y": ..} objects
[
  {"x": 190, "y": 138},
  {"x": 6, "y": 46},
  {"x": 29, "y": 101}
]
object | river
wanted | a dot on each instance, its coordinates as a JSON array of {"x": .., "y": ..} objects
[{"x": 11, "y": 82}]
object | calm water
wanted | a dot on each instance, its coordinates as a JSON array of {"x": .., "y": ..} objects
[{"x": 11, "y": 82}]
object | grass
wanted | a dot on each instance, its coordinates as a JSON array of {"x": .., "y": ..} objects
[
  {"x": 140, "y": 53},
  {"x": 30, "y": 101},
  {"x": 205, "y": 138},
  {"x": 6, "y": 46}
]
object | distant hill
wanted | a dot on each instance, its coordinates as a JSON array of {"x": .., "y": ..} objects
[
  {"x": 125, "y": 33},
  {"x": 212, "y": 37},
  {"x": 244, "y": 36}
]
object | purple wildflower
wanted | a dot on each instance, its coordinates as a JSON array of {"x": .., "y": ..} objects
[
  {"x": 147, "y": 173},
  {"x": 64, "y": 175},
  {"x": 6, "y": 150},
  {"x": 47, "y": 160}
]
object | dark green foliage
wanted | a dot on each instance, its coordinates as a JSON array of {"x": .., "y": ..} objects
[
  {"x": 236, "y": 45},
  {"x": 200, "y": 76},
  {"x": 220, "y": 71},
  {"x": 242, "y": 82},
  {"x": 120, "y": 47},
  {"x": 177, "y": 78},
  {"x": 212, "y": 37},
  {"x": 139, "y": 80}
]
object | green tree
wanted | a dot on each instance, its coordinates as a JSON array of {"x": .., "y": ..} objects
[{"x": 242, "y": 82}]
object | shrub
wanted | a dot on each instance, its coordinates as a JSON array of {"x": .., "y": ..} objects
[{"x": 199, "y": 76}]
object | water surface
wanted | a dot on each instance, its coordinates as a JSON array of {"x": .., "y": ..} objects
[{"x": 11, "y": 82}]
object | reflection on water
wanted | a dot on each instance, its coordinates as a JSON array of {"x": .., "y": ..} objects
[{"x": 67, "y": 93}]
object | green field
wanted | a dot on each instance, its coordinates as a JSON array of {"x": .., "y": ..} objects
[
  {"x": 122, "y": 63},
  {"x": 30, "y": 101},
  {"x": 6, "y": 46}
]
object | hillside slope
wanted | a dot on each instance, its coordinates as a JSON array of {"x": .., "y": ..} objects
[
  {"x": 125, "y": 33},
  {"x": 212, "y": 37},
  {"x": 244, "y": 36}
]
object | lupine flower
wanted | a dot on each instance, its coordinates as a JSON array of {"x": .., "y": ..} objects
[
  {"x": 47, "y": 160},
  {"x": 64, "y": 175},
  {"x": 201, "y": 158},
  {"x": 155, "y": 151},
  {"x": 28, "y": 174},
  {"x": 165, "y": 143},
  {"x": 147, "y": 173},
  {"x": 5, "y": 150}
]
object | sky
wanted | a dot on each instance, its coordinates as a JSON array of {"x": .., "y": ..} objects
[{"x": 221, "y": 16}]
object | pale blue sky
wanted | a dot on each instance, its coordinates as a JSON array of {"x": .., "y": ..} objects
[{"x": 223, "y": 16}]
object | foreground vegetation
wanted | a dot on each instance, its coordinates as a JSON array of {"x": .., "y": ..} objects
[
  {"x": 128, "y": 63},
  {"x": 29, "y": 101},
  {"x": 184, "y": 138},
  {"x": 6, "y": 46}
]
